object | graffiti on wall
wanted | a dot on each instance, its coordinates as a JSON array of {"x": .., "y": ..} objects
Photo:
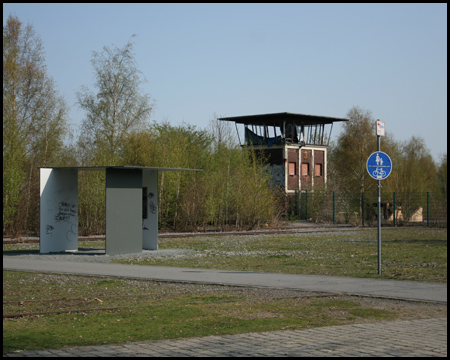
[
  {"x": 65, "y": 212},
  {"x": 49, "y": 230},
  {"x": 72, "y": 234},
  {"x": 151, "y": 204},
  {"x": 148, "y": 204}
]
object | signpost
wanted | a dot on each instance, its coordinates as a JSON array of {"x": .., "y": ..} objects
[
  {"x": 379, "y": 167},
  {"x": 380, "y": 128}
]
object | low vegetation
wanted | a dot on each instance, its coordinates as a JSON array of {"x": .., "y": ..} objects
[
  {"x": 63, "y": 310},
  {"x": 109, "y": 310},
  {"x": 407, "y": 253}
]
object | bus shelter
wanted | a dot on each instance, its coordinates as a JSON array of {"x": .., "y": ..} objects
[{"x": 131, "y": 208}]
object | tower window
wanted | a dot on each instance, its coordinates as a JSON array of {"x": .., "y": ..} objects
[
  {"x": 305, "y": 169},
  {"x": 291, "y": 169},
  {"x": 318, "y": 169}
]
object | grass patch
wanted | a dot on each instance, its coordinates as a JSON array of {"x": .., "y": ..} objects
[
  {"x": 33, "y": 248},
  {"x": 151, "y": 310},
  {"x": 407, "y": 253}
]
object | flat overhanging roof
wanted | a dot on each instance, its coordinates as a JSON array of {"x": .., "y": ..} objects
[
  {"x": 103, "y": 168},
  {"x": 277, "y": 119}
]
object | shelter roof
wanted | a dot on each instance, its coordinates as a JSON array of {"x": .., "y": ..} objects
[
  {"x": 103, "y": 168},
  {"x": 279, "y": 118}
]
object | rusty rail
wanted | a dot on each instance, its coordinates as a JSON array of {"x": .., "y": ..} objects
[{"x": 10, "y": 316}]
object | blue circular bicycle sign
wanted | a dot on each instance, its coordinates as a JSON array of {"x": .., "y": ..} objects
[{"x": 379, "y": 165}]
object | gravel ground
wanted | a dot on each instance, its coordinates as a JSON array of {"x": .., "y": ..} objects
[{"x": 98, "y": 255}]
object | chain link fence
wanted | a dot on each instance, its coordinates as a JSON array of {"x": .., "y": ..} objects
[{"x": 360, "y": 209}]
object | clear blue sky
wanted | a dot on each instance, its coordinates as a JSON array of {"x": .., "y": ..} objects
[{"x": 245, "y": 59}]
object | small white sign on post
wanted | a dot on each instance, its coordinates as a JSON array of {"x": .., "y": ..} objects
[{"x": 380, "y": 128}]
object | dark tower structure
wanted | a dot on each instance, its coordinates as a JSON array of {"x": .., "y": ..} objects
[{"x": 295, "y": 145}]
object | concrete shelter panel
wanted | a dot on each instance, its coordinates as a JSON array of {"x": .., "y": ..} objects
[
  {"x": 150, "y": 209},
  {"x": 123, "y": 211},
  {"x": 58, "y": 210}
]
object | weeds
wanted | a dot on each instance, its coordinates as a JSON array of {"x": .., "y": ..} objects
[
  {"x": 151, "y": 310},
  {"x": 109, "y": 310},
  {"x": 407, "y": 253}
]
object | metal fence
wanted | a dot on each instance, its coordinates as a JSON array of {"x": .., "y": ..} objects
[{"x": 428, "y": 209}]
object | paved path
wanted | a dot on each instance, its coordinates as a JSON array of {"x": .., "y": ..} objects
[
  {"x": 426, "y": 337},
  {"x": 422, "y": 338},
  {"x": 409, "y": 290}
]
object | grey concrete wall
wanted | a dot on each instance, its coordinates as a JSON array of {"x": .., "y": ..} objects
[
  {"x": 150, "y": 223},
  {"x": 123, "y": 211}
]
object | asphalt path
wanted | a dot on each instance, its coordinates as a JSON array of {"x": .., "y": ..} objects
[{"x": 383, "y": 288}]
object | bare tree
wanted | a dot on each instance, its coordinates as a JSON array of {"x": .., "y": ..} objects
[
  {"x": 116, "y": 107},
  {"x": 223, "y": 134}
]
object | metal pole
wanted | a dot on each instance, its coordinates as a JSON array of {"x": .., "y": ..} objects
[
  {"x": 362, "y": 208},
  {"x": 428, "y": 209},
  {"x": 379, "y": 213},
  {"x": 395, "y": 223},
  {"x": 334, "y": 209},
  {"x": 306, "y": 203}
]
